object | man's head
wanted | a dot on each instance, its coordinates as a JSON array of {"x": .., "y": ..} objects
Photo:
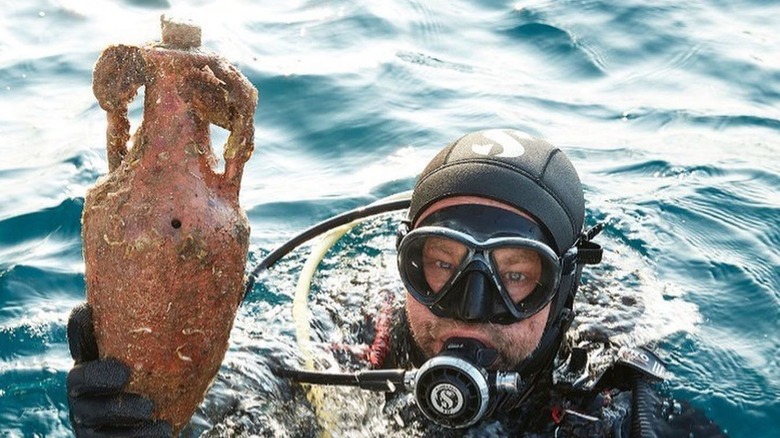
[
  {"x": 486, "y": 254},
  {"x": 469, "y": 306}
]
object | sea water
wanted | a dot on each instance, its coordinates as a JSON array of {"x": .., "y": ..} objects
[{"x": 669, "y": 110}]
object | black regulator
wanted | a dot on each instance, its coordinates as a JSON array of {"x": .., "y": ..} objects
[{"x": 453, "y": 389}]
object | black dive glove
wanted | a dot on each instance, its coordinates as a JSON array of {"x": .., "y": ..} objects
[{"x": 98, "y": 406}]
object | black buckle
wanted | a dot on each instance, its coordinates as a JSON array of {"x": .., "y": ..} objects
[
  {"x": 401, "y": 232},
  {"x": 588, "y": 252}
]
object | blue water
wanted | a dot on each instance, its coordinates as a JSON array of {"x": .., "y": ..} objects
[{"x": 670, "y": 111}]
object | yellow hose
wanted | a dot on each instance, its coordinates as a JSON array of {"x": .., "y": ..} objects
[{"x": 301, "y": 315}]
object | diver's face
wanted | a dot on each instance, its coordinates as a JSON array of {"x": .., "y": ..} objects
[{"x": 514, "y": 342}]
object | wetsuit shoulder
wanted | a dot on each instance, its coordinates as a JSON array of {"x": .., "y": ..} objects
[
  {"x": 630, "y": 363},
  {"x": 640, "y": 410},
  {"x": 626, "y": 401},
  {"x": 660, "y": 416}
]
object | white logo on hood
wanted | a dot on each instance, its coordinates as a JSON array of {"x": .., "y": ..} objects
[{"x": 510, "y": 146}]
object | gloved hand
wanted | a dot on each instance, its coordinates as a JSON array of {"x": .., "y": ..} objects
[{"x": 98, "y": 406}]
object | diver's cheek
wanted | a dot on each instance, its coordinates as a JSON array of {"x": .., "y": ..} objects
[
  {"x": 416, "y": 313},
  {"x": 524, "y": 336},
  {"x": 421, "y": 323}
]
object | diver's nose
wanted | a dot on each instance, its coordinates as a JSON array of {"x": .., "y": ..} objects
[{"x": 475, "y": 303}]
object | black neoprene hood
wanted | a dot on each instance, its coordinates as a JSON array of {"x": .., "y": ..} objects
[{"x": 511, "y": 167}]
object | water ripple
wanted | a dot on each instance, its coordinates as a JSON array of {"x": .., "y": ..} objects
[
  {"x": 557, "y": 46},
  {"x": 659, "y": 117},
  {"x": 426, "y": 24}
]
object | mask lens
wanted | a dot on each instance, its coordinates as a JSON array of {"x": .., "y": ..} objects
[
  {"x": 518, "y": 269},
  {"x": 429, "y": 263},
  {"x": 441, "y": 258}
]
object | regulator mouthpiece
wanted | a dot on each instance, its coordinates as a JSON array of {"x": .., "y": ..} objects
[{"x": 454, "y": 389}]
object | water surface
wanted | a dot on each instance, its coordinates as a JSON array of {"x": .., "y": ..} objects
[{"x": 669, "y": 110}]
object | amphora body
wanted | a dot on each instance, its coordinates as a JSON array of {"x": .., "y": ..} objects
[{"x": 165, "y": 240}]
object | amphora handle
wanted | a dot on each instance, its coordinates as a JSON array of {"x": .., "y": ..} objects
[
  {"x": 127, "y": 68},
  {"x": 223, "y": 96}
]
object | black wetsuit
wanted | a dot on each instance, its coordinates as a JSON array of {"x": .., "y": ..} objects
[
  {"x": 553, "y": 409},
  {"x": 561, "y": 410}
]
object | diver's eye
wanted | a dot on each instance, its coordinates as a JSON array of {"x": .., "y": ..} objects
[
  {"x": 515, "y": 277},
  {"x": 441, "y": 264}
]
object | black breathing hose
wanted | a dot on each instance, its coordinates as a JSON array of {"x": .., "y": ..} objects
[
  {"x": 641, "y": 407},
  {"x": 376, "y": 380},
  {"x": 336, "y": 221}
]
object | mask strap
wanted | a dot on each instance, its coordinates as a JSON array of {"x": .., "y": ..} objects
[{"x": 589, "y": 252}]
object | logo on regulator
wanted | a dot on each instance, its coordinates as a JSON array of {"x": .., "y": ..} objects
[{"x": 446, "y": 399}]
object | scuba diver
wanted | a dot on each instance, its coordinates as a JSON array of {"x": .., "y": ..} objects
[{"x": 491, "y": 255}]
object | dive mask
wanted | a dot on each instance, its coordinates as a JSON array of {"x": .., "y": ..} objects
[{"x": 480, "y": 263}]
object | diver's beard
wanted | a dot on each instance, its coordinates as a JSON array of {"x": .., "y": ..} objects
[{"x": 510, "y": 351}]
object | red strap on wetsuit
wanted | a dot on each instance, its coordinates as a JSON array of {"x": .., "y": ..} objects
[
  {"x": 557, "y": 414},
  {"x": 383, "y": 325}
]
